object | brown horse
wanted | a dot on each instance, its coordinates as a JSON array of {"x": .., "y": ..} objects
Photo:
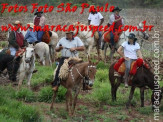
[
  {"x": 74, "y": 82},
  {"x": 142, "y": 79}
]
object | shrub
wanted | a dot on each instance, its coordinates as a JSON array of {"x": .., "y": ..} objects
[
  {"x": 26, "y": 95},
  {"x": 45, "y": 94}
]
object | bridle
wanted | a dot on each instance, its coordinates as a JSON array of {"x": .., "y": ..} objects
[{"x": 85, "y": 78}]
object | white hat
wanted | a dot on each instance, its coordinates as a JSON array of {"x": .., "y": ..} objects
[{"x": 31, "y": 25}]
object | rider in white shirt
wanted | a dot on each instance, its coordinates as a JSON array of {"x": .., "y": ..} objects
[
  {"x": 129, "y": 50},
  {"x": 96, "y": 19}
]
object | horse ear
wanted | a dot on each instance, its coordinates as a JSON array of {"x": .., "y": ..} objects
[
  {"x": 89, "y": 59},
  {"x": 96, "y": 62}
]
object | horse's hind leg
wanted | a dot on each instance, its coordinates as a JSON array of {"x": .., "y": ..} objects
[
  {"x": 53, "y": 99},
  {"x": 142, "y": 96},
  {"x": 130, "y": 97}
]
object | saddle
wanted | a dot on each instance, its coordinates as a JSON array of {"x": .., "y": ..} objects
[
  {"x": 46, "y": 37},
  {"x": 120, "y": 66},
  {"x": 65, "y": 68},
  {"x": 107, "y": 36}
]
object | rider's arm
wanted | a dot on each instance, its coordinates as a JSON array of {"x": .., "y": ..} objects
[
  {"x": 139, "y": 53},
  {"x": 89, "y": 21},
  {"x": 57, "y": 49},
  {"x": 120, "y": 51},
  {"x": 118, "y": 19},
  {"x": 81, "y": 48},
  {"x": 102, "y": 20}
]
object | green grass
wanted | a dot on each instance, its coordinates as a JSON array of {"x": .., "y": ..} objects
[{"x": 21, "y": 101}]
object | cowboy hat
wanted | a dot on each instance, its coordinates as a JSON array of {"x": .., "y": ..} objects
[
  {"x": 116, "y": 9},
  {"x": 38, "y": 12},
  {"x": 31, "y": 25},
  {"x": 132, "y": 36},
  {"x": 17, "y": 22},
  {"x": 69, "y": 31}
]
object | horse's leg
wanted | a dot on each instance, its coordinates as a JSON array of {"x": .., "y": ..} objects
[
  {"x": 142, "y": 96},
  {"x": 53, "y": 99},
  {"x": 116, "y": 87},
  {"x": 29, "y": 79},
  {"x": 111, "y": 55},
  {"x": 98, "y": 50},
  {"x": 89, "y": 50},
  {"x": 130, "y": 97},
  {"x": 113, "y": 91},
  {"x": 75, "y": 99},
  {"x": 105, "y": 50}
]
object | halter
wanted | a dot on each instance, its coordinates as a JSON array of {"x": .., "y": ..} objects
[{"x": 86, "y": 78}]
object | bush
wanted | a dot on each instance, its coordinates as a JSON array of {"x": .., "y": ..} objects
[
  {"x": 26, "y": 95},
  {"x": 29, "y": 114},
  {"x": 145, "y": 110},
  {"x": 17, "y": 110},
  {"x": 61, "y": 94},
  {"x": 102, "y": 75},
  {"x": 45, "y": 94}
]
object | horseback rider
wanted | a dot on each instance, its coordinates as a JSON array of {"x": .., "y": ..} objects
[
  {"x": 131, "y": 49},
  {"x": 69, "y": 47},
  {"x": 118, "y": 21},
  {"x": 8, "y": 56},
  {"x": 39, "y": 20},
  {"x": 31, "y": 36},
  {"x": 96, "y": 19}
]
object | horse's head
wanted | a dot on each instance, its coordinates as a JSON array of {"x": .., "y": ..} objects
[
  {"x": 29, "y": 54},
  {"x": 142, "y": 34},
  {"x": 90, "y": 73}
]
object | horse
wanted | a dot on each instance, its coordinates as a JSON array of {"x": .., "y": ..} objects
[
  {"x": 52, "y": 44},
  {"x": 27, "y": 66},
  {"x": 78, "y": 73},
  {"x": 42, "y": 52},
  {"x": 142, "y": 79},
  {"x": 87, "y": 38},
  {"x": 123, "y": 37}
]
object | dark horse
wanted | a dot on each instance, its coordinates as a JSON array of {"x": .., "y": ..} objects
[
  {"x": 74, "y": 83},
  {"x": 142, "y": 79}
]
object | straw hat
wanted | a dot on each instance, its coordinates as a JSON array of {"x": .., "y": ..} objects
[
  {"x": 17, "y": 22},
  {"x": 31, "y": 25}
]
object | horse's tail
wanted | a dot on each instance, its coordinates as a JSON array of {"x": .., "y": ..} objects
[{"x": 47, "y": 56}]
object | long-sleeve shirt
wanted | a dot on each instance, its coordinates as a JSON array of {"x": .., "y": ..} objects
[
  {"x": 42, "y": 21},
  {"x": 31, "y": 36},
  {"x": 12, "y": 40}
]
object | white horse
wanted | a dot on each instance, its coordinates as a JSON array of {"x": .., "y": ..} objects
[
  {"x": 124, "y": 37},
  {"x": 27, "y": 66},
  {"x": 87, "y": 38},
  {"x": 52, "y": 44},
  {"x": 42, "y": 52}
]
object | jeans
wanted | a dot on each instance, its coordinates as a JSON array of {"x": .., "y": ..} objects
[
  {"x": 128, "y": 66},
  {"x": 39, "y": 35},
  {"x": 99, "y": 40},
  {"x": 112, "y": 38},
  {"x": 56, "y": 80}
]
